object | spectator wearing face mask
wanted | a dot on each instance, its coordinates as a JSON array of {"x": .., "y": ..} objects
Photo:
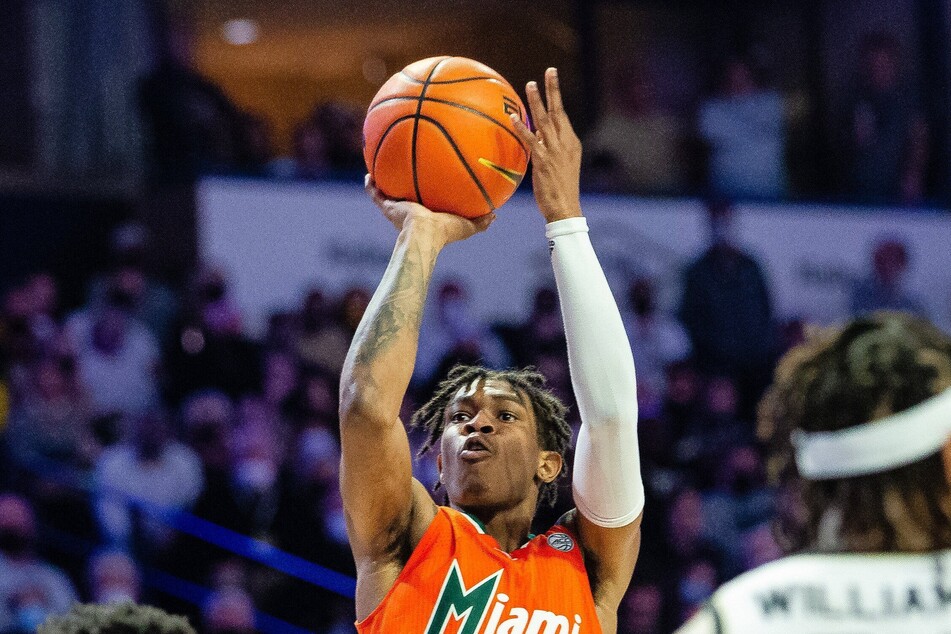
[
  {"x": 249, "y": 499},
  {"x": 152, "y": 469},
  {"x": 30, "y": 588},
  {"x": 41, "y": 303},
  {"x": 114, "y": 578}
]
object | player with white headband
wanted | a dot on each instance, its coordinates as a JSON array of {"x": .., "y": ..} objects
[{"x": 859, "y": 421}]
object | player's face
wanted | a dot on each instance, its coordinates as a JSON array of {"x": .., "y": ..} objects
[{"x": 489, "y": 455}]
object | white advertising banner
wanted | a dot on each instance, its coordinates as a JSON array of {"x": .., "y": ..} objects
[{"x": 277, "y": 239}]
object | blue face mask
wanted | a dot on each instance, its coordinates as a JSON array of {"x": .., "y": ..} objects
[{"x": 30, "y": 617}]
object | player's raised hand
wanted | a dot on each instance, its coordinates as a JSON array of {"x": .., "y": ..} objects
[
  {"x": 556, "y": 151},
  {"x": 442, "y": 227}
]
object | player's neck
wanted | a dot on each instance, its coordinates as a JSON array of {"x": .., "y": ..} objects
[{"x": 510, "y": 527}]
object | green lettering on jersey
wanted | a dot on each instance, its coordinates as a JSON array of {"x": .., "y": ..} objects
[{"x": 455, "y": 601}]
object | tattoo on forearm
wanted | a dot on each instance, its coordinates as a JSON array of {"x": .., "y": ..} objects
[{"x": 401, "y": 308}]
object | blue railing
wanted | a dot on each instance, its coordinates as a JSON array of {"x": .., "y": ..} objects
[{"x": 190, "y": 524}]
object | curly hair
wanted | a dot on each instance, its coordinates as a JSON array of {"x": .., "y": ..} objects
[
  {"x": 875, "y": 366},
  {"x": 554, "y": 433},
  {"x": 122, "y": 618}
]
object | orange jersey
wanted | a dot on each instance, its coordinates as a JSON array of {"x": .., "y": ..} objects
[{"x": 458, "y": 581}]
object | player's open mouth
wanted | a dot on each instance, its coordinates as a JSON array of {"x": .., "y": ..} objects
[{"x": 474, "y": 449}]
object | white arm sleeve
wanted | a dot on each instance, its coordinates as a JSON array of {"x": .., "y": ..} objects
[{"x": 608, "y": 489}]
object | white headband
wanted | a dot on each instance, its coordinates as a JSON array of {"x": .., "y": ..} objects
[{"x": 880, "y": 445}]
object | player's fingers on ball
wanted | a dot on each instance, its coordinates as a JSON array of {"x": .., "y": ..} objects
[
  {"x": 522, "y": 131},
  {"x": 535, "y": 105}
]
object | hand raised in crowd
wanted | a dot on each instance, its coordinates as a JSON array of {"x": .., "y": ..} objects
[{"x": 556, "y": 151}]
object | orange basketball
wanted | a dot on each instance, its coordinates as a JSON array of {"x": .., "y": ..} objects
[{"x": 438, "y": 133}]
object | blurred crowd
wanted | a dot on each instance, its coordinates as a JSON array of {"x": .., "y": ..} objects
[
  {"x": 149, "y": 401},
  {"x": 743, "y": 139},
  {"x": 196, "y": 129},
  {"x": 145, "y": 437}
]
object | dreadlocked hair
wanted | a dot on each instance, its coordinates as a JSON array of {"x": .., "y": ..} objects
[
  {"x": 554, "y": 433},
  {"x": 121, "y": 618},
  {"x": 873, "y": 367}
]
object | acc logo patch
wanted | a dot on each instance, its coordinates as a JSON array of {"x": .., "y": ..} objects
[{"x": 561, "y": 541}]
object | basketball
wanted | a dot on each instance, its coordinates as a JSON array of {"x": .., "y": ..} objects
[{"x": 438, "y": 133}]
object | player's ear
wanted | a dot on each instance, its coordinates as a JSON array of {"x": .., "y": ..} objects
[
  {"x": 439, "y": 464},
  {"x": 550, "y": 464}
]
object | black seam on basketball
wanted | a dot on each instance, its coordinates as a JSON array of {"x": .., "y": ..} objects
[
  {"x": 392, "y": 125},
  {"x": 456, "y": 104},
  {"x": 465, "y": 163},
  {"x": 419, "y": 107},
  {"x": 416, "y": 79},
  {"x": 445, "y": 81}
]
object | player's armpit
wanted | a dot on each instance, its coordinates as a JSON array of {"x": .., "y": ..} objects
[{"x": 610, "y": 556}]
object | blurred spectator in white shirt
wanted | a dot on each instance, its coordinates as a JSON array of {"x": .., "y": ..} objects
[
  {"x": 744, "y": 130},
  {"x": 636, "y": 145},
  {"x": 152, "y": 469},
  {"x": 117, "y": 357}
]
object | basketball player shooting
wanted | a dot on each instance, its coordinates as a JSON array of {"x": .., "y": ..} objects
[
  {"x": 472, "y": 566},
  {"x": 860, "y": 424}
]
